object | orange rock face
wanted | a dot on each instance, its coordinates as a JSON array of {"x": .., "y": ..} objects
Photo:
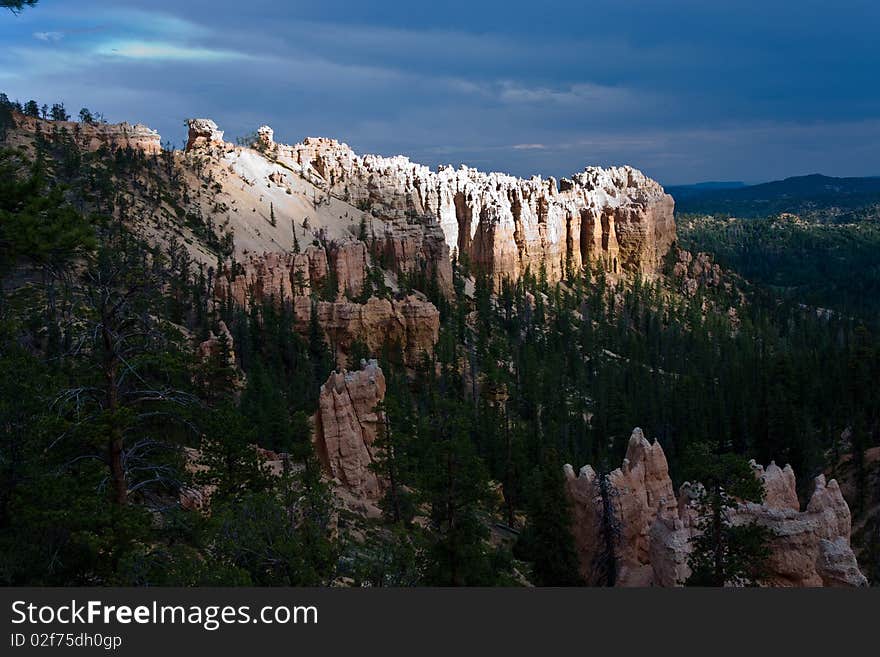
[
  {"x": 640, "y": 490},
  {"x": 696, "y": 271},
  {"x": 283, "y": 276},
  {"x": 408, "y": 327},
  {"x": 349, "y": 262},
  {"x": 653, "y": 533},
  {"x": 209, "y": 347},
  {"x": 347, "y": 425},
  {"x": 507, "y": 225},
  {"x": 413, "y": 239},
  {"x": 92, "y": 136}
]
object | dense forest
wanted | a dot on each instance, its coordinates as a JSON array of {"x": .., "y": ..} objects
[
  {"x": 822, "y": 264},
  {"x": 103, "y": 388}
]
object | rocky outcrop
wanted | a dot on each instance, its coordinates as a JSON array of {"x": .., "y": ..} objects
[
  {"x": 652, "y": 530},
  {"x": 282, "y": 276},
  {"x": 347, "y": 425},
  {"x": 696, "y": 271},
  {"x": 266, "y": 138},
  {"x": 637, "y": 492},
  {"x": 407, "y": 326},
  {"x": 408, "y": 240},
  {"x": 500, "y": 224},
  {"x": 203, "y": 132},
  {"x": 211, "y": 347},
  {"x": 810, "y": 547},
  {"x": 507, "y": 225},
  {"x": 349, "y": 261},
  {"x": 93, "y": 136},
  {"x": 274, "y": 276}
]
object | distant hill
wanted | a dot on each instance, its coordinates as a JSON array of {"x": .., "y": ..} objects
[
  {"x": 837, "y": 197},
  {"x": 681, "y": 192}
]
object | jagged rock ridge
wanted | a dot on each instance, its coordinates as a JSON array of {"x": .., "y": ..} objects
[
  {"x": 416, "y": 217},
  {"x": 504, "y": 224},
  {"x": 654, "y": 529}
]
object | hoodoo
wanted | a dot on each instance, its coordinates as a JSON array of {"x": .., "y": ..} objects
[
  {"x": 506, "y": 225},
  {"x": 654, "y": 530}
]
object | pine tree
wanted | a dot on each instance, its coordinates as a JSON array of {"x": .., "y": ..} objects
[
  {"x": 547, "y": 540},
  {"x": 725, "y": 553},
  {"x": 295, "y": 239},
  {"x": 455, "y": 486},
  {"x": 58, "y": 113},
  {"x": 32, "y": 109},
  {"x": 393, "y": 460}
]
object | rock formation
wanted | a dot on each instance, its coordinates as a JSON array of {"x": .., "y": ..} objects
[
  {"x": 203, "y": 132},
  {"x": 266, "y": 137},
  {"x": 92, "y": 136},
  {"x": 696, "y": 271},
  {"x": 408, "y": 326},
  {"x": 283, "y": 276},
  {"x": 504, "y": 224},
  {"x": 209, "y": 348},
  {"x": 347, "y": 425},
  {"x": 640, "y": 490},
  {"x": 653, "y": 533},
  {"x": 415, "y": 217},
  {"x": 272, "y": 276},
  {"x": 349, "y": 262}
]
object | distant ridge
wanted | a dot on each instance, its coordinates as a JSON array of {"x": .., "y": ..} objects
[
  {"x": 680, "y": 192},
  {"x": 796, "y": 194}
]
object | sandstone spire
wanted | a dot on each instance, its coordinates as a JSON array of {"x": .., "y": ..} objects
[{"x": 654, "y": 529}]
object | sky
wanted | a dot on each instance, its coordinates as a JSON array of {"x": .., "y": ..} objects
[{"x": 685, "y": 90}]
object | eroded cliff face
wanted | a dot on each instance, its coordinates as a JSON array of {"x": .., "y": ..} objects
[
  {"x": 92, "y": 136},
  {"x": 407, "y": 326},
  {"x": 653, "y": 533},
  {"x": 414, "y": 217},
  {"x": 347, "y": 425},
  {"x": 304, "y": 193},
  {"x": 507, "y": 225}
]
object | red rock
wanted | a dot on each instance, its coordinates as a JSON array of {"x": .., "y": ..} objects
[
  {"x": 209, "y": 347},
  {"x": 349, "y": 262},
  {"x": 654, "y": 531},
  {"x": 506, "y": 225},
  {"x": 347, "y": 425},
  {"x": 408, "y": 327},
  {"x": 92, "y": 136}
]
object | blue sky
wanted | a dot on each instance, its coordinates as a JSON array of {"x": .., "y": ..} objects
[{"x": 685, "y": 90}]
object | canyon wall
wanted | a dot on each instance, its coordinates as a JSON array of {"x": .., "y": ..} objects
[
  {"x": 507, "y": 225},
  {"x": 407, "y": 326},
  {"x": 416, "y": 217},
  {"x": 653, "y": 529}
]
